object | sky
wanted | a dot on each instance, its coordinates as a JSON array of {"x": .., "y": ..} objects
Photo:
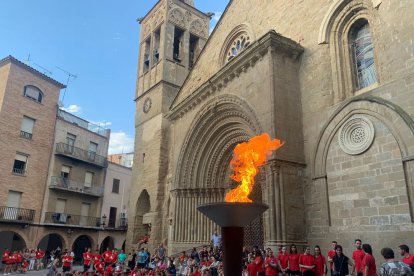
[{"x": 90, "y": 45}]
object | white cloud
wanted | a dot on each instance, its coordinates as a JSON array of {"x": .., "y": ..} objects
[
  {"x": 103, "y": 124},
  {"x": 120, "y": 142},
  {"x": 73, "y": 108}
]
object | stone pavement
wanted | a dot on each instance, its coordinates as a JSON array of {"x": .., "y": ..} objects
[{"x": 44, "y": 271}]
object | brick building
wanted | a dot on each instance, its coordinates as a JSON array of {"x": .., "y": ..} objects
[{"x": 333, "y": 79}]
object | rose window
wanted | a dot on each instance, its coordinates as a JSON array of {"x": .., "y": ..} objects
[
  {"x": 356, "y": 135},
  {"x": 238, "y": 45}
]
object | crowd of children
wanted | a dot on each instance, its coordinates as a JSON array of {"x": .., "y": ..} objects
[{"x": 22, "y": 261}]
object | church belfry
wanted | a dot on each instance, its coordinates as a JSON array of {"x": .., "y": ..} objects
[{"x": 171, "y": 38}]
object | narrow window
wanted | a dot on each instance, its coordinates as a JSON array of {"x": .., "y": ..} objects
[
  {"x": 112, "y": 217},
  {"x": 11, "y": 212},
  {"x": 26, "y": 129},
  {"x": 363, "y": 54},
  {"x": 20, "y": 164},
  {"x": 194, "y": 50},
  {"x": 178, "y": 40},
  {"x": 93, "y": 148},
  {"x": 33, "y": 93},
  {"x": 147, "y": 50},
  {"x": 157, "y": 34},
  {"x": 115, "y": 186},
  {"x": 88, "y": 179},
  {"x": 70, "y": 142}
]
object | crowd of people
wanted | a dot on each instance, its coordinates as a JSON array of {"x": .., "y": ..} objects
[
  {"x": 208, "y": 261},
  {"x": 22, "y": 260}
]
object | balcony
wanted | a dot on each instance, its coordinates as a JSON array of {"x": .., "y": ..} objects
[
  {"x": 71, "y": 220},
  {"x": 119, "y": 224},
  {"x": 81, "y": 154},
  {"x": 70, "y": 118},
  {"x": 26, "y": 135},
  {"x": 19, "y": 215},
  {"x": 62, "y": 183}
]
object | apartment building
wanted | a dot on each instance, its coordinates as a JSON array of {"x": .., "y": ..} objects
[
  {"x": 124, "y": 159},
  {"x": 28, "y": 109}
]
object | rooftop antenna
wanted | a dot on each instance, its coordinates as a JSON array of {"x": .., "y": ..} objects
[
  {"x": 45, "y": 71},
  {"x": 28, "y": 59},
  {"x": 70, "y": 75}
]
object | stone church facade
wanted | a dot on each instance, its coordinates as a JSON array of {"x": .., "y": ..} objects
[{"x": 334, "y": 79}]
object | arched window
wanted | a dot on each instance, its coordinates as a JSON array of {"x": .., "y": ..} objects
[
  {"x": 362, "y": 51},
  {"x": 33, "y": 93},
  {"x": 239, "y": 44}
]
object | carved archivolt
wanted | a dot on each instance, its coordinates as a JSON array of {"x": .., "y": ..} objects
[{"x": 204, "y": 158}]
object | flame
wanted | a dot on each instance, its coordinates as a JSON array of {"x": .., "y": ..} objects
[{"x": 247, "y": 158}]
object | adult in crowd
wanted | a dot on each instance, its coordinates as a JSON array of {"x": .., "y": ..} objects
[
  {"x": 331, "y": 254},
  {"x": 293, "y": 261},
  {"x": 271, "y": 264},
  {"x": 161, "y": 251},
  {"x": 358, "y": 255},
  {"x": 259, "y": 261},
  {"x": 216, "y": 240},
  {"x": 392, "y": 267},
  {"x": 408, "y": 258},
  {"x": 368, "y": 262},
  {"x": 283, "y": 260},
  {"x": 87, "y": 259},
  {"x": 40, "y": 254},
  {"x": 142, "y": 257},
  {"x": 320, "y": 262},
  {"x": 32, "y": 259},
  {"x": 67, "y": 261},
  {"x": 307, "y": 263},
  {"x": 121, "y": 258},
  {"x": 341, "y": 263}
]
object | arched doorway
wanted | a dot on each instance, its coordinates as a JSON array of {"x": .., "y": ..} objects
[
  {"x": 12, "y": 241},
  {"x": 108, "y": 242},
  {"x": 51, "y": 242},
  {"x": 143, "y": 206},
  {"x": 81, "y": 243}
]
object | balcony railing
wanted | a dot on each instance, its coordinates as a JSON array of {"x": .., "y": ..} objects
[
  {"x": 62, "y": 183},
  {"x": 81, "y": 154},
  {"x": 98, "y": 129},
  {"x": 119, "y": 224},
  {"x": 25, "y": 134},
  {"x": 19, "y": 171},
  {"x": 72, "y": 220},
  {"x": 20, "y": 215}
]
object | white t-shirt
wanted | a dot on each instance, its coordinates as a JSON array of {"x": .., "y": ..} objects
[{"x": 216, "y": 240}]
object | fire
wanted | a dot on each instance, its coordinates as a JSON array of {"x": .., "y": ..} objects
[{"x": 247, "y": 158}]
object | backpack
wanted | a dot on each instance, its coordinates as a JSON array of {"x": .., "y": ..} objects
[{"x": 396, "y": 268}]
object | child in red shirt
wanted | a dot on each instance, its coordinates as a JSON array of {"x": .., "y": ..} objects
[
  {"x": 320, "y": 262},
  {"x": 271, "y": 265},
  {"x": 67, "y": 262}
]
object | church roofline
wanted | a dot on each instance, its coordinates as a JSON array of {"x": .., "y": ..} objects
[{"x": 246, "y": 59}]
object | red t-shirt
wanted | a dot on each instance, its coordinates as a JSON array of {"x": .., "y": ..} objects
[
  {"x": 67, "y": 261},
  {"x": 195, "y": 273},
  {"x": 369, "y": 261},
  {"x": 320, "y": 262},
  {"x": 271, "y": 271},
  {"x": 19, "y": 258},
  {"x": 40, "y": 254},
  {"x": 112, "y": 258},
  {"x": 96, "y": 258},
  {"x": 5, "y": 256},
  {"x": 106, "y": 255},
  {"x": 12, "y": 259},
  {"x": 294, "y": 262},
  {"x": 331, "y": 254},
  {"x": 259, "y": 263},
  {"x": 308, "y": 260},
  {"x": 284, "y": 259},
  {"x": 87, "y": 258},
  {"x": 358, "y": 255},
  {"x": 100, "y": 267},
  {"x": 409, "y": 260},
  {"x": 251, "y": 269}
]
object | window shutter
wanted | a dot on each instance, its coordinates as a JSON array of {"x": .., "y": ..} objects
[
  {"x": 88, "y": 179},
  {"x": 21, "y": 157},
  {"x": 65, "y": 169},
  {"x": 27, "y": 124}
]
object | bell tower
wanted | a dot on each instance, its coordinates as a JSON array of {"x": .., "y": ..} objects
[{"x": 172, "y": 36}]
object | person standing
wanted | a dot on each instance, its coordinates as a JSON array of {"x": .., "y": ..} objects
[
  {"x": 408, "y": 258},
  {"x": 392, "y": 267},
  {"x": 39, "y": 257},
  {"x": 141, "y": 258},
  {"x": 307, "y": 263},
  {"x": 271, "y": 264},
  {"x": 67, "y": 262},
  {"x": 341, "y": 263},
  {"x": 283, "y": 260},
  {"x": 320, "y": 262},
  {"x": 293, "y": 263},
  {"x": 32, "y": 259},
  {"x": 87, "y": 259},
  {"x": 4, "y": 260},
  {"x": 161, "y": 252},
  {"x": 368, "y": 262},
  {"x": 358, "y": 255},
  {"x": 216, "y": 240},
  {"x": 331, "y": 254}
]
